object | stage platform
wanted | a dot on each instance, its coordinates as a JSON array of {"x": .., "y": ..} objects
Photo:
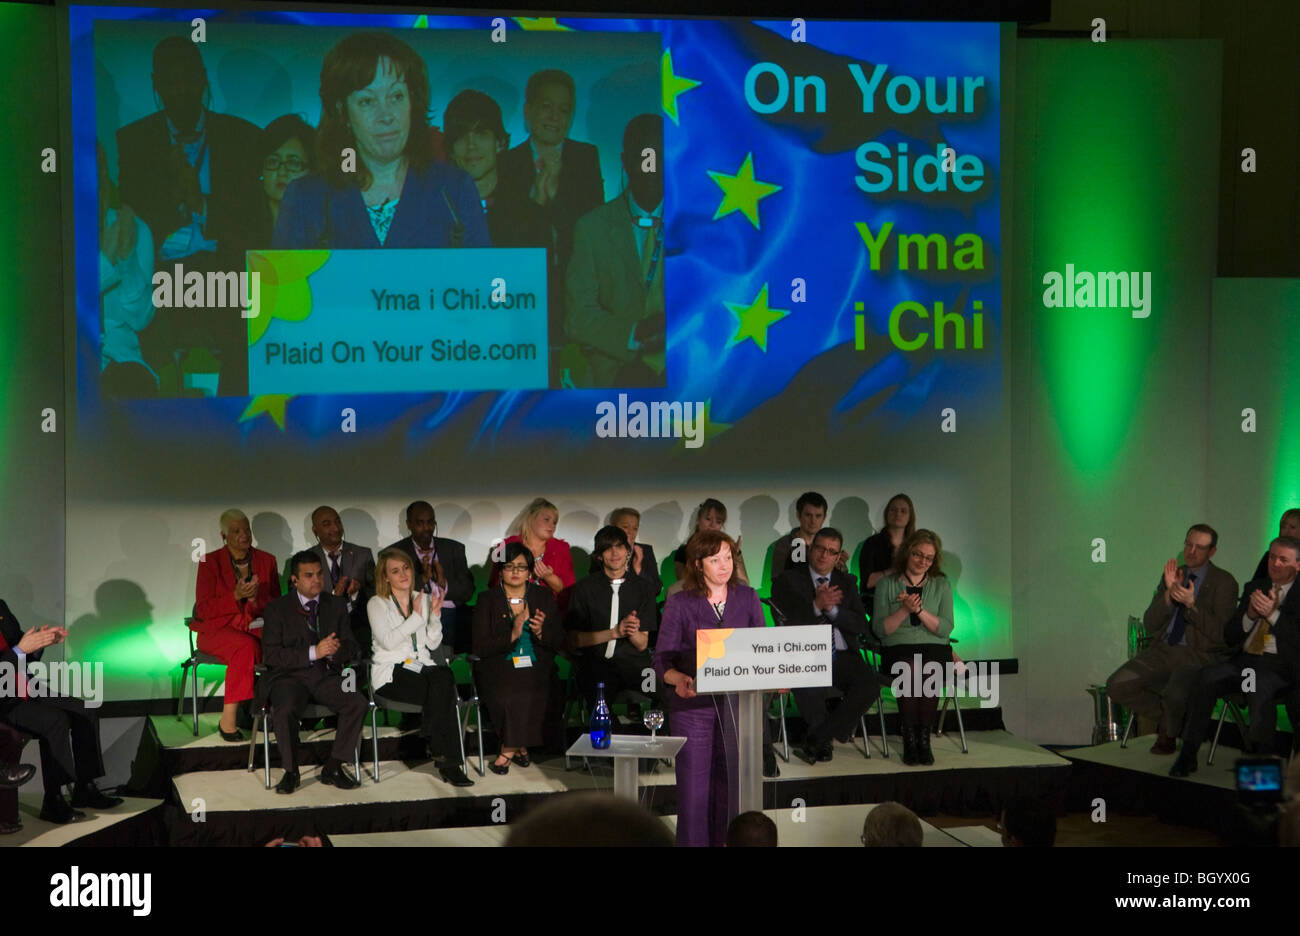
[
  {"x": 411, "y": 798},
  {"x": 1133, "y": 780},
  {"x": 833, "y": 826},
  {"x": 135, "y": 822}
]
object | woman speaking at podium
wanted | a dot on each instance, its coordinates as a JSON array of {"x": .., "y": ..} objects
[{"x": 708, "y": 772}]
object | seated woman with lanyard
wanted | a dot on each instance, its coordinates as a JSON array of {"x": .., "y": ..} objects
[
  {"x": 517, "y": 632},
  {"x": 409, "y": 659},
  {"x": 913, "y": 617}
]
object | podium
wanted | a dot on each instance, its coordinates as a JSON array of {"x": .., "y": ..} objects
[
  {"x": 626, "y": 750},
  {"x": 749, "y": 662}
]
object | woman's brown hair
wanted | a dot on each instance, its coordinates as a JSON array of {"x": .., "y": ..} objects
[
  {"x": 350, "y": 66},
  {"x": 698, "y": 548},
  {"x": 913, "y": 541}
]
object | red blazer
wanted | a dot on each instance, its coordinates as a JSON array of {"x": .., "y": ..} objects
[{"x": 215, "y": 606}]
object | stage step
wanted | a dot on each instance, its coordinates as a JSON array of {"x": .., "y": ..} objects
[
  {"x": 817, "y": 826},
  {"x": 135, "y": 822}
]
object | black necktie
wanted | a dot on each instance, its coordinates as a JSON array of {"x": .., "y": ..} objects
[
  {"x": 311, "y": 615},
  {"x": 334, "y": 567}
]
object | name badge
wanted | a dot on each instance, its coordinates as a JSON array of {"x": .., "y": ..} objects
[
  {"x": 522, "y": 662},
  {"x": 413, "y": 665}
]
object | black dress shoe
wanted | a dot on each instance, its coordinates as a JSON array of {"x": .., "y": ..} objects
[
  {"x": 521, "y": 760},
  {"x": 825, "y": 753},
  {"x": 455, "y": 775},
  {"x": 289, "y": 782},
  {"x": 235, "y": 735},
  {"x": 1184, "y": 766},
  {"x": 9, "y": 828},
  {"x": 770, "y": 769},
  {"x": 89, "y": 795},
  {"x": 56, "y": 809},
  {"x": 806, "y": 753},
  {"x": 339, "y": 776},
  {"x": 499, "y": 769},
  {"x": 13, "y": 776}
]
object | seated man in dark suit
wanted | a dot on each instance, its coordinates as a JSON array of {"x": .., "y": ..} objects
[
  {"x": 52, "y": 719},
  {"x": 615, "y": 280},
  {"x": 439, "y": 562},
  {"x": 610, "y": 616},
  {"x": 811, "y": 509},
  {"x": 349, "y": 569},
  {"x": 1266, "y": 626},
  {"x": 643, "y": 562},
  {"x": 306, "y": 642},
  {"x": 1185, "y": 620},
  {"x": 12, "y": 776},
  {"x": 819, "y": 593}
]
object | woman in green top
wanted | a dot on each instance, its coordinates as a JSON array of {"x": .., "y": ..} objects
[
  {"x": 912, "y": 616},
  {"x": 517, "y": 633}
]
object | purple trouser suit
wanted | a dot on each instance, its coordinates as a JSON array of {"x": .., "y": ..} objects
[{"x": 708, "y": 768}]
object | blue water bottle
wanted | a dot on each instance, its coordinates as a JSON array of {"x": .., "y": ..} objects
[{"x": 600, "y": 722}]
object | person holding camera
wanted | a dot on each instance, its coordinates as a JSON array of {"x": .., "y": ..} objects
[{"x": 913, "y": 619}]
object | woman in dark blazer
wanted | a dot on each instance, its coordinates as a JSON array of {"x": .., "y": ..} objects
[
  {"x": 708, "y": 775},
  {"x": 877, "y": 556},
  {"x": 517, "y": 632},
  {"x": 392, "y": 193}
]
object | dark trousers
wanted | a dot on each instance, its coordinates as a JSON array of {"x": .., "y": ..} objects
[
  {"x": 53, "y": 720},
  {"x": 1272, "y": 676},
  {"x": 11, "y": 749},
  {"x": 1157, "y": 684},
  {"x": 851, "y": 675},
  {"x": 914, "y": 709},
  {"x": 622, "y": 673},
  {"x": 434, "y": 689},
  {"x": 290, "y": 696}
]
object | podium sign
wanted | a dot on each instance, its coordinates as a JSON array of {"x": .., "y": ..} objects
[{"x": 731, "y": 659}]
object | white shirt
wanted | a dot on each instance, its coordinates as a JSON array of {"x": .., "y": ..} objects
[{"x": 396, "y": 639}]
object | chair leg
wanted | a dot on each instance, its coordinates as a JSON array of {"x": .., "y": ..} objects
[
  {"x": 1128, "y": 728},
  {"x": 866, "y": 736},
  {"x": 252, "y": 743},
  {"x": 943, "y": 710},
  {"x": 961, "y": 726},
  {"x": 880, "y": 707},
  {"x": 478, "y": 723},
  {"x": 374, "y": 739},
  {"x": 266, "y": 748},
  {"x": 194, "y": 688},
  {"x": 1214, "y": 745},
  {"x": 180, "y": 699}
]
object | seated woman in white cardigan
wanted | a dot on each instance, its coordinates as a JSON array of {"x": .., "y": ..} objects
[{"x": 409, "y": 661}]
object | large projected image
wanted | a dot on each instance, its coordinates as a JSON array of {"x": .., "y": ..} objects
[{"x": 444, "y": 257}]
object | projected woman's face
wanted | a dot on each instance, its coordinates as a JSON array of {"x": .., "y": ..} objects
[
  {"x": 544, "y": 523},
  {"x": 399, "y": 574},
  {"x": 380, "y": 115},
  {"x": 281, "y": 167},
  {"x": 716, "y": 569},
  {"x": 476, "y": 153}
]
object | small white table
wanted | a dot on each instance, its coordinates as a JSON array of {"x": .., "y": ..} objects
[{"x": 626, "y": 751}]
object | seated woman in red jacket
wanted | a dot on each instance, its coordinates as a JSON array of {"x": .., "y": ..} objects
[
  {"x": 235, "y": 583},
  {"x": 552, "y": 562}
]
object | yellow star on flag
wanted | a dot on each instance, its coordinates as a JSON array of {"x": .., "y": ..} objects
[
  {"x": 711, "y": 428},
  {"x": 673, "y": 85},
  {"x": 755, "y": 319},
  {"x": 272, "y": 404},
  {"x": 742, "y": 191},
  {"x": 541, "y": 24}
]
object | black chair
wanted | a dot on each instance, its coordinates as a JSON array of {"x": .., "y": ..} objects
[
  {"x": 312, "y": 711},
  {"x": 196, "y": 659},
  {"x": 465, "y": 706}
]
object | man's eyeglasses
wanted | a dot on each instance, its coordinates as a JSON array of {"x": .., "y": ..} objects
[{"x": 292, "y": 163}]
